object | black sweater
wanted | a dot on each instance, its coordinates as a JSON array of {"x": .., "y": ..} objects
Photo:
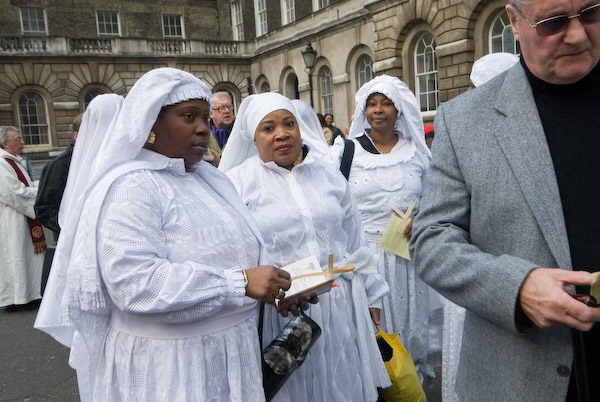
[{"x": 570, "y": 115}]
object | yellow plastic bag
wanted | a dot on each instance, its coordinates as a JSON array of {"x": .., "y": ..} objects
[{"x": 406, "y": 386}]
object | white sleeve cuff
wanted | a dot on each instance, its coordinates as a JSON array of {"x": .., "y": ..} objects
[{"x": 236, "y": 291}]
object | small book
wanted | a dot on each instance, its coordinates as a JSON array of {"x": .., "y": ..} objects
[
  {"x": 393, "y": 239},
  {"x": 308, "y": 278}
]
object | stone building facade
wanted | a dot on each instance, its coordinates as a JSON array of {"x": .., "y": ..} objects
[
  {"x": 429, "y": 44},
  {"x": 55, "y": 55}
]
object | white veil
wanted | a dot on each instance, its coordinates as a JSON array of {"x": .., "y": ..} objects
[
  {"x": 310, "y": 127},
  {"x": 95, "y": 125},
  {"x": 409, "y": 121},
  {"x": 253, "y": 109}
]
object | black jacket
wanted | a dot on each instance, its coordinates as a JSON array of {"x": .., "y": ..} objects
[{"x": 51, "y": 189}]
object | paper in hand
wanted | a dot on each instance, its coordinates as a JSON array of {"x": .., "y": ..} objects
[{"x": 393, "y": 239}]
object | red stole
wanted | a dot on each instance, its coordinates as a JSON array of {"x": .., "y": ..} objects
[{"x": 35, "y": 227}]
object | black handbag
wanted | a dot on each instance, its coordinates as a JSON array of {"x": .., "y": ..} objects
[{"x": 287, "y": 351}]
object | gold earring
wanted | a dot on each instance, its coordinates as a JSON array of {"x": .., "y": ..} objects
[{"x": 151, "y": 138}]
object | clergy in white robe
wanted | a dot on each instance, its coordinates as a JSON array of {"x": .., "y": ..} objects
[
  {"x": 309, "y": 210},
  {"x": 381, "y": 181},
  {"x": 20, "y": 266},
  {"x": 150, "y": 277}
]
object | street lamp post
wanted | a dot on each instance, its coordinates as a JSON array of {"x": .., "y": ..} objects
[{"x": 309, "y": 55}]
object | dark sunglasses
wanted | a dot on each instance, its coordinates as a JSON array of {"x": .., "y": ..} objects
[{"x": 558, "y": 23}]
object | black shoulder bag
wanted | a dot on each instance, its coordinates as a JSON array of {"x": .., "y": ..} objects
[
  {"x": 347, "y": 157},
  {"x": 287, "y": 351}
]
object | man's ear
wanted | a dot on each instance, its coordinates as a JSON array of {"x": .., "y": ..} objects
[{"x": 513, "y": 18}]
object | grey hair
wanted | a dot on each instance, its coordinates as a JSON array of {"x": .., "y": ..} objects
[
  {"x": 222, "y": 94},
  {"x": 4, "y": 133}
]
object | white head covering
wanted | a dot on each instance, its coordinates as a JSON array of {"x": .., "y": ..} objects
[
  {"x": 409, "y": 121},
  {"x": 75, "y": 295},
  {"x": 253, "y": 109},
  {"x": 490, "y": 65},
  {"x": 99, "y": 115},
  {"x": 310, "y": 127}
]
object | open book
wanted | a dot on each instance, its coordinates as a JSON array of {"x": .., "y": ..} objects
[{"x": 308, "y": 278}]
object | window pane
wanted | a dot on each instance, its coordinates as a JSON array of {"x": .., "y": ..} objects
[
  {"x": 33, "y": 20},
  {"x": 426, "y": 72},
  {"x": 501, "y": 37},
  {"x": 172, "y": 26},
  {"x": 34, "y": 125}
]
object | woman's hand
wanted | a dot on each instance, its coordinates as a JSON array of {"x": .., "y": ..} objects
[
  {"x": 265, "y": 283},
  {"x": 375, "y": 315},
  {"x": 295, "y": 304}
]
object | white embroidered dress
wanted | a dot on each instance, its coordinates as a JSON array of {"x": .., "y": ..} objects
[
  {"x": 310, "y": 211},
  {"x": 20, "y": 268},
  {"x": 380, "y": 182},
  {"x": 170, "y": 250}
]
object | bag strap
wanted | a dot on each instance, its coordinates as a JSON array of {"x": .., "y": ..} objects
[
  {"x": 347, "y": 157},
  {"x": 261, "y": 315}
]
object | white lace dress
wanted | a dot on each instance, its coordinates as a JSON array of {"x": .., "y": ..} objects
[
  {"x": 170, "y": 251},
  {"x": 380, "y": 182},
  {"x": 310, "y": 211}
]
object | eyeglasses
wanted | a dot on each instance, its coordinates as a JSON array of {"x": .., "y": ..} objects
[
  {"x": 558, "y": 23},
  {"x": 224, "y": 108}
]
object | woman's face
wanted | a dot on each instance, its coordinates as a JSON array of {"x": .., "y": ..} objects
[
  {"x": 182, "y": 131},
  {"x": 381, "y": 113},
  {"x": 277, "y": 138}
]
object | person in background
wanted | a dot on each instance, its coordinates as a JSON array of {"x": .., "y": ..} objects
[
  {"x": 429, "y": 134},
  {"x": 509, "y": 221},
  {"x": 222, "y": 118},
  {"x": 22, "y": 241},
  {"x": 387, "y": 170},
  {"x": 484, "y": 69},
  {"x": 326, "y": 130},
  {"x": 330, "y": 123}
]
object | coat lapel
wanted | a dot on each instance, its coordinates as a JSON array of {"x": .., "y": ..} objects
[{"x": 523, "y": 142}]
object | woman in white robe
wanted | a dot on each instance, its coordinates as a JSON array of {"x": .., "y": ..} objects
[
  {"x": 150, "y": 288},
  {"x": 389, "y": 163},
  {"x": 303, "y": 207}
]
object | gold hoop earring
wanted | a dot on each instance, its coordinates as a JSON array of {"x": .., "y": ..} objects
[{"x": 151, "y": 138}]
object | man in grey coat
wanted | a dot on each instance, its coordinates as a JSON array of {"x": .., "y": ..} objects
[{"x": 509, "y": 222}]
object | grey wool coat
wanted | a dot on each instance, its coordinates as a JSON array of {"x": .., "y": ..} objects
[{"x": 490, "y": 213}]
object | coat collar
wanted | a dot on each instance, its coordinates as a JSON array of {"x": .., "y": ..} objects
[{"x": 522, "y": 139}]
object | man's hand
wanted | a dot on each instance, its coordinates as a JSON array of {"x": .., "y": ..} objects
[{"x": 545, "y": 299}]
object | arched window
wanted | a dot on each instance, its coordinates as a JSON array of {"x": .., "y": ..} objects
[
  {"x": 364, "y": 70},
  {"x": 91, "y": 94},
  {"x": 501, "y": 35},
  {"x": 34, "y": 120},
  {"x": 426, "y": 72},
  {"x": 326, "y": 87},
  {"x": 264, "y": 87},
  {"x": 291, "y": 86}
]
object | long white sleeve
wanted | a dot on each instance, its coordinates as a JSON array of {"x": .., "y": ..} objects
[{"x": 143, "y": 274}]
